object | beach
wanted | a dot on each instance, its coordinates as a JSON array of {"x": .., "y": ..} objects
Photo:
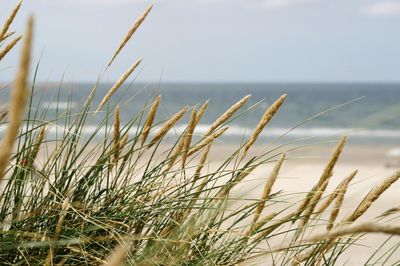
[{"x": 300, "y": 172}]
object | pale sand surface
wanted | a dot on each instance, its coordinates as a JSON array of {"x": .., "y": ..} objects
[{"x": 303, "y": 169}]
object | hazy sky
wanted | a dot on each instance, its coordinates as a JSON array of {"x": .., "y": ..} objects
[{"x": 215, "y": 40}]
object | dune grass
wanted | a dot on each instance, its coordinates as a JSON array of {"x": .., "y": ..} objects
[{"x": 135, "y": 198}]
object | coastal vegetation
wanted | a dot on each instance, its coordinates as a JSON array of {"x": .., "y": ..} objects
[{"x": 134, "y": 197}]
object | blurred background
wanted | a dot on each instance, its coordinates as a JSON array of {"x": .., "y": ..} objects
[{"x": 322, "y": 53}]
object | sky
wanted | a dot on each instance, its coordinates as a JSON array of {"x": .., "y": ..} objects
[{"x": 214, "y": 40}]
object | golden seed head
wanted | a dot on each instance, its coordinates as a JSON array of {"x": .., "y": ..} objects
[
  {"x": 39, "y": 140},
  {"x": 150, "y": 119},
  {"x": 268, "y": 188},
  {"x": 267, "y": 116},
  {"x": 312, "y": 197},
  {"x": 372, "y": 197},
  {"x": 201, "y": 112},
  {"x": 339, "y": 189},
  {"x": 9, "y": 20},
  {"x": 130, "y": 33},
  {"x": 9, "y": 46},
  {"x": 224, "y": 117},
  {"x": 167, "y": 126},
  {"x": 187, "y": 138},
  {"x": 18, "y": 100},
  {"x": 118, "y": 84},
  {"x": 202, "y": 161},
  {"x": 205, "y": 141}
]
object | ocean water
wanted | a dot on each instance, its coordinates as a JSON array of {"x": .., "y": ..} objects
[{"x": 368, "y": 113}]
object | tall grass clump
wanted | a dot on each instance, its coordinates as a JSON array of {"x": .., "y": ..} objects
[{"x": 133, "y": 197}]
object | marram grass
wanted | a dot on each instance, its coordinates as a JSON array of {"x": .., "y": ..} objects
[{"x": 138, "y": 199}]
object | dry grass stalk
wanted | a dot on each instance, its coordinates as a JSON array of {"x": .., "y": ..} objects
[
  {"x": 167, "y": 126},
  {"x": 273, "y": 227},
  {"x": 368, "y": 227},
  {"x": 9, "y": 20},
  {"x": 123, "y": 140},
  {"x": 390, "y": 211},
  {"x": 226, "y": 189},
  {"x": 325, "y": 176},
  {"x": 118, "y": 255},
  {"x": 267, "y": 116},
  {"x": 313, "y": 202},
  {"x": 202, "y": 161},
  {"x": 116, "y": 140},
  {"x": 267, "y": 190},
  {"x": 339, "y": 189},
  {"x": 340, "y": 231},
  {"x": 130, "y": 33},
  {"x": 118, "y": 84},
  {"x": 174, "y": 157},
  {"x": 203, "y": 143},
  {"x": 339, "y": 201},
  {"x": 9, "y": 46},
  {"x": 39, "y": 140},
  {"x": 7, "y": 35},
  {"x": 305, "y": 255},
  {"x": 202, "y": 184},
  {"x": 201, "y": 112},
  {"x": 187, "y": 139},
  {"x": 365, "y": 204},
  {"x": 254, "y": 227},
  {"x": 80, "y": 251},
  {"x": 150, "y": 119},
  {"x": 224, "y": 117},
  {"x": 64, "y": 208},
  {"x": 18, "y": 100},
  {"x": 372, "y": 197},
  {"x": 3, "y": 115}
]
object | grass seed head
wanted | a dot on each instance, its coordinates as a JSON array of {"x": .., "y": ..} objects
[
  {"x": 366, "y": 227},
  {"x": 9, "y": 34},
  {"x": 267, "y": 116},
  {"x": 201, "y": 112},
  {"x": 268, "y": 188},
  {"x": 167, "y": 126},
  {"x": 310, "y": 197},
  {"x": 228, "y": 114},
  {"x": 205, "y": 141},
  {"x": 9, "y": 20},
  {"x": 38, "y": 142},
  {"x": 130, "y": 33},
  {"x": 202, "y": 162},
  {"x": 187, "y": 138},
  {"x": 372, "y": 197},
  {"x": 118, "y": 84},
  {"x": 150, "y": 119},
  {"x": 18, "y": 100},
  {"x": 339, "y": 189},
  {"x": 9, "y": 46},
  {"x": 118, "y": 255}
]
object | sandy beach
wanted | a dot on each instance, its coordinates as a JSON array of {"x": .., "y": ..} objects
[{"x": 302, "y": 170}]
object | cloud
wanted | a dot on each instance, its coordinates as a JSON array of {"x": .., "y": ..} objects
[
  {"x": 273, "y": 4},
  {"x": 387, "y": 8}
]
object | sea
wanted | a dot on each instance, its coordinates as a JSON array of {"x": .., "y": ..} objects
[{"x": 368, "y": 113}]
